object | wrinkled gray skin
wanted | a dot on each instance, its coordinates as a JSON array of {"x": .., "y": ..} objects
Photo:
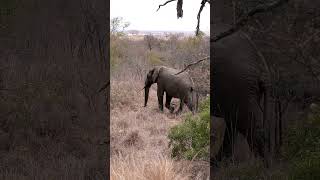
[
  {"x": 175, "y": 86},
  {"x": 238, "y": 88}
]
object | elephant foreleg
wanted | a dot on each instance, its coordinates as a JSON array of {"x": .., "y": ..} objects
[
  {"x": 160, "y": 98},
  {"x": 168, "y": 101}
]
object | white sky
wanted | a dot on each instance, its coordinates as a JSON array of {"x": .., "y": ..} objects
[{"x": 143, "y": 15}]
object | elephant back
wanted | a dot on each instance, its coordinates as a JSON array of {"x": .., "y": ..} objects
[{"x": 183, "y": 77}]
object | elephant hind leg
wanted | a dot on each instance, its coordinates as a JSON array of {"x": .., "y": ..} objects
[
  {"x": 168, "y": 103},
  {"x": 256, "y": 144},
  {"x": 180, "y": 107},
  {"x": 227, "y": 145}
]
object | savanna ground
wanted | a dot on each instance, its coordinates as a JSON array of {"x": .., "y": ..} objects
[
  {"x": 139, "y": 135},
  {"x": 139, "y": 142}
]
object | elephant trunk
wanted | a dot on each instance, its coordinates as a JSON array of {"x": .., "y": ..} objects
[{"x": 146, "y": 95}]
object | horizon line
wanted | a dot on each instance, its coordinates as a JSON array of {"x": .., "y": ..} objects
[{"x": 166, "y": 30}]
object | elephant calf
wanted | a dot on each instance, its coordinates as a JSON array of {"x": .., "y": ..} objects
[{"x": 176, "y": 86}]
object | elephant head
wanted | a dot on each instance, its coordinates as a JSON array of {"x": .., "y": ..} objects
[{"x": 151, "y": 78}]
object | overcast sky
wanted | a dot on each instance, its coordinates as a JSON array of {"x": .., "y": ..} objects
[{"x": 143, "y": 15}]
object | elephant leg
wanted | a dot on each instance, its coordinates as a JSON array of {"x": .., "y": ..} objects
[
  {"x": 180, "y": 107},
  {"x": 160, "y": 93},
  {"x": 227, "y": 145},
  {"x": 168, "y": 101},
  {"x": 256, "y": 143}
]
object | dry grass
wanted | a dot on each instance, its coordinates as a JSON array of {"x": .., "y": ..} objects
[
  {"x": 158, "y": 167},
  {"x": 139, "y": 143}
]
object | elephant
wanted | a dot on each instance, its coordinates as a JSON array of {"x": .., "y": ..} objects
[
  {"x": 240, "y": 89},
  {"x": 174, "y": 85}
]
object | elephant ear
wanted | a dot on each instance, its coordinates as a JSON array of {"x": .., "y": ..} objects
[{"x": 155, "y": 74}]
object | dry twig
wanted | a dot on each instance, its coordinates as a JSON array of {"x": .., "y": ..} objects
[
  {"x": 194, "y": 63},
  {"x": 165, "y": 4}
]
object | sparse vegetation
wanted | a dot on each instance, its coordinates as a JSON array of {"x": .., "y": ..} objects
[
  {"x": 302, "y": 147},
  {"x": 139, "y": 136}
]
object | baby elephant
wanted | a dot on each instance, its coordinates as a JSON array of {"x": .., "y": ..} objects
[{"x": 175, "y": 85}]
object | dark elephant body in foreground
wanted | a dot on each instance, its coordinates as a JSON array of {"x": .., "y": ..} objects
[
  {"x": 238, "y": 87},
  {"x": 174, "y": 85}
]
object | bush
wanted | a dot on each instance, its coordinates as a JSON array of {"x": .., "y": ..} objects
[
  {"x": 191, "y": 138},
  {"x": 118, "y": 48},
  {"x": 154, "y": 58},
  {"x": 302, "y": 147}
]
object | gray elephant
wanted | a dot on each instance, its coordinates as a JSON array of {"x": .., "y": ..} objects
[
  {"x": 239, "y": 83},
  {"x": 174, "y": 85}
]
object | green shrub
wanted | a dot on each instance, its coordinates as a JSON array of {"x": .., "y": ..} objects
[
  {"x": 191, "y": 138},
  {"x": 302, "y": 148},
  {"x": 190, "y": 43}
]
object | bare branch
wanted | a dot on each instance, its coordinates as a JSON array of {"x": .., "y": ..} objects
[
  {"x": 203, "y": 3},
  {"x": 194, "y": 63},
  {"x": 104, "y": 87},
  {"x": 242, "y": 21},
  {"x": 169, "y": 1},
  {"x": 179, "y": 9}
]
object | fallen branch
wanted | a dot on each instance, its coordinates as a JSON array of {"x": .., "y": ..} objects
[
  {"x": 165, "y": 4},
  {"x": 242, "y": 21},
  {"x": 194, "y": 63}
]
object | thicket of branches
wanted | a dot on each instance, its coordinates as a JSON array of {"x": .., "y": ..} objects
[{"x": 53, "y": 60}]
